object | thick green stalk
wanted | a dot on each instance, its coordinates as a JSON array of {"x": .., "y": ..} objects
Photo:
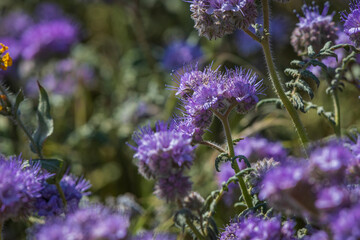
[
  {"x": 194, "y": 230},
  {"x": 265, "y": 43},
  {"x": 336, "y": 102},
  {"x": 224, "y": 118}
]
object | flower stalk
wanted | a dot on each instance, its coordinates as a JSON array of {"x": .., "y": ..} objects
[{"x": 265, "y": 43}]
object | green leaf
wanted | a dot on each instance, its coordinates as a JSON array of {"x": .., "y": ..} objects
[
  {"x": 311, "y": 51},
  {"x": 309, "y": 75},
  {"x": 302, "y": 85},
  {"x": 19, "y": 98},
  {"x": 326, "y": 46},
  {"x": 51, "y": 165},
  {"x": 45, "y": 122},
  {"x": 291, "y": 72},
  {"x": 297, "y": 63}
]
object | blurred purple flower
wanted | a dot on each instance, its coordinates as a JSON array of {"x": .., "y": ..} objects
[
  {"x": 154, "y": 236},
  {"x": 332, "y": 198},
  {"x": 49, "y": 38},
  {"x": 256, "y": 227},
  {"x": 90, "y": 223},
  {"x": 50, "y": 202},
  {"x": 347, "y": 224},
  {"x": 15, "y": 23},
  {"x": 257, "y": 148},
  {"x": 245, "y": 44},
  {"x": 180, "y": 53},
  {"x": 47, "y": 11}
]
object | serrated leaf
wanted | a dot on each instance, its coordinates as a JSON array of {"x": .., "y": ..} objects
[
  {"x": 309, "y": 75},
  {"x": 302, "y": 85},
  {"x": 297, "y": 63},
  {"x": 45, "y": 122},
  {"x": 326, "y": 46},
  {"x": 291, "y": 72},
  {"x": 311, "y": 51},
  {"x": 19, "y": 98},
  {"x": 315, "y": 63}
]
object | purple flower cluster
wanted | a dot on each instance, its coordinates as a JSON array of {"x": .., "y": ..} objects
[
  {"x": 320, "y": 189},
  {"x": 180, "y": 53},
  {"x": 21, "y": 185},
  {"x": 50, "y": 202},
  {"x": 204, "y": 92},
  {"x": 90, "y": 223},
  {"x": 163, "y": 154},
  {"x": 49, "y": 33},
  {"x": 256, "y": 227},
  {"x": 262, "y": 154},
  {"x": 215, "y": 18},
  {"x": 314, "y": 29},
  {"x": 352, "y": 22}
]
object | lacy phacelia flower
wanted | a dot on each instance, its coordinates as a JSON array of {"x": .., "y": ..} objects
[
  {"x": 154, "y": 236},
  {"x": 162, "y": 152},
  {"x": 91, "y": 223},
  {"x": 313, "y": 29},
  {"x": 50, "y": 202},
  {"x": 172, "y": 187},
  {"x": 179, "y": 53},
  {"x": 20, "y": 186},
  {"x": 254, "y": 227},
  {"x": 332, "y": 198},
  {"x": 49, "y": 38},
  {"x": 352, "y": 22},
  {"x": 5, "y": 59},
  {"x": 215, "y": 18},
  {"x": 212, "y": 90}
]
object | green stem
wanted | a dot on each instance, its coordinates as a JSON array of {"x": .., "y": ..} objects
[
  {"x": 336, "y": 102},
  {"x": 194, "y": 229},
  {"x": 212, "y": 145},
  {"x": 1, "y": 229},
  {"x": 62, "y": 195},
  {"x": 225, "y": 122},
  {"x": 265, "y": 43}
]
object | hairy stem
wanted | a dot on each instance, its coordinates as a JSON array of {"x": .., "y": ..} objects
[
  {"x": 225, "y": 122},
  {"x": 336, "y": 102},
  {"x": 194, "y": 229},
  {"x": 62, "y": 195},
  {"x": 265, "y": 43},
  {"x": 212, "y": 145}
]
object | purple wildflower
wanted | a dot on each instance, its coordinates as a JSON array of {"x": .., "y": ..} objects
[
  {"x": 162, "y": 152},
  {"x": 215, "y": 18},
  {"x": 149, "y": 235},
  {"x": 50, "y": 202},
  {"x": 332, "y": 198},
  {"x": 91, "y": 223},
  {"x": 173, "y": 187},
  {"x": 48, "y": 12},
  {"x": 20, "y": 186},
  {"x": 254, "y": 227},
  {"x": 15, "y": 23},
  {"x": 347, "y": 224},
  {"x": 330, "y": 162},
  {"x": 179, "y": 53},
  {"x": 352, "y": 22},
  {"x": 314, "y": 29},
  {"x": 287, "y": 188},
  {"x": 257, "y": 148},
  {"x": 49, "y": 38}
]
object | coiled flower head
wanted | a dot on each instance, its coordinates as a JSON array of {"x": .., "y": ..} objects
[
  {"x": 50, "y": 202},
  {"x": 215, "y": 18},
  {"x": 352, "y": 22},
  {"x": 20, "y": 187},
  {"x": 173, "y": 187},
  {"x": 314, "y": 29},
  {"x": 162, "y": 152}
]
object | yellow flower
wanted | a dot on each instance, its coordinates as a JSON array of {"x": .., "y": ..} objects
[
  {"x": 2, "y": 101},
  {"x": 6, "y": 60}
]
